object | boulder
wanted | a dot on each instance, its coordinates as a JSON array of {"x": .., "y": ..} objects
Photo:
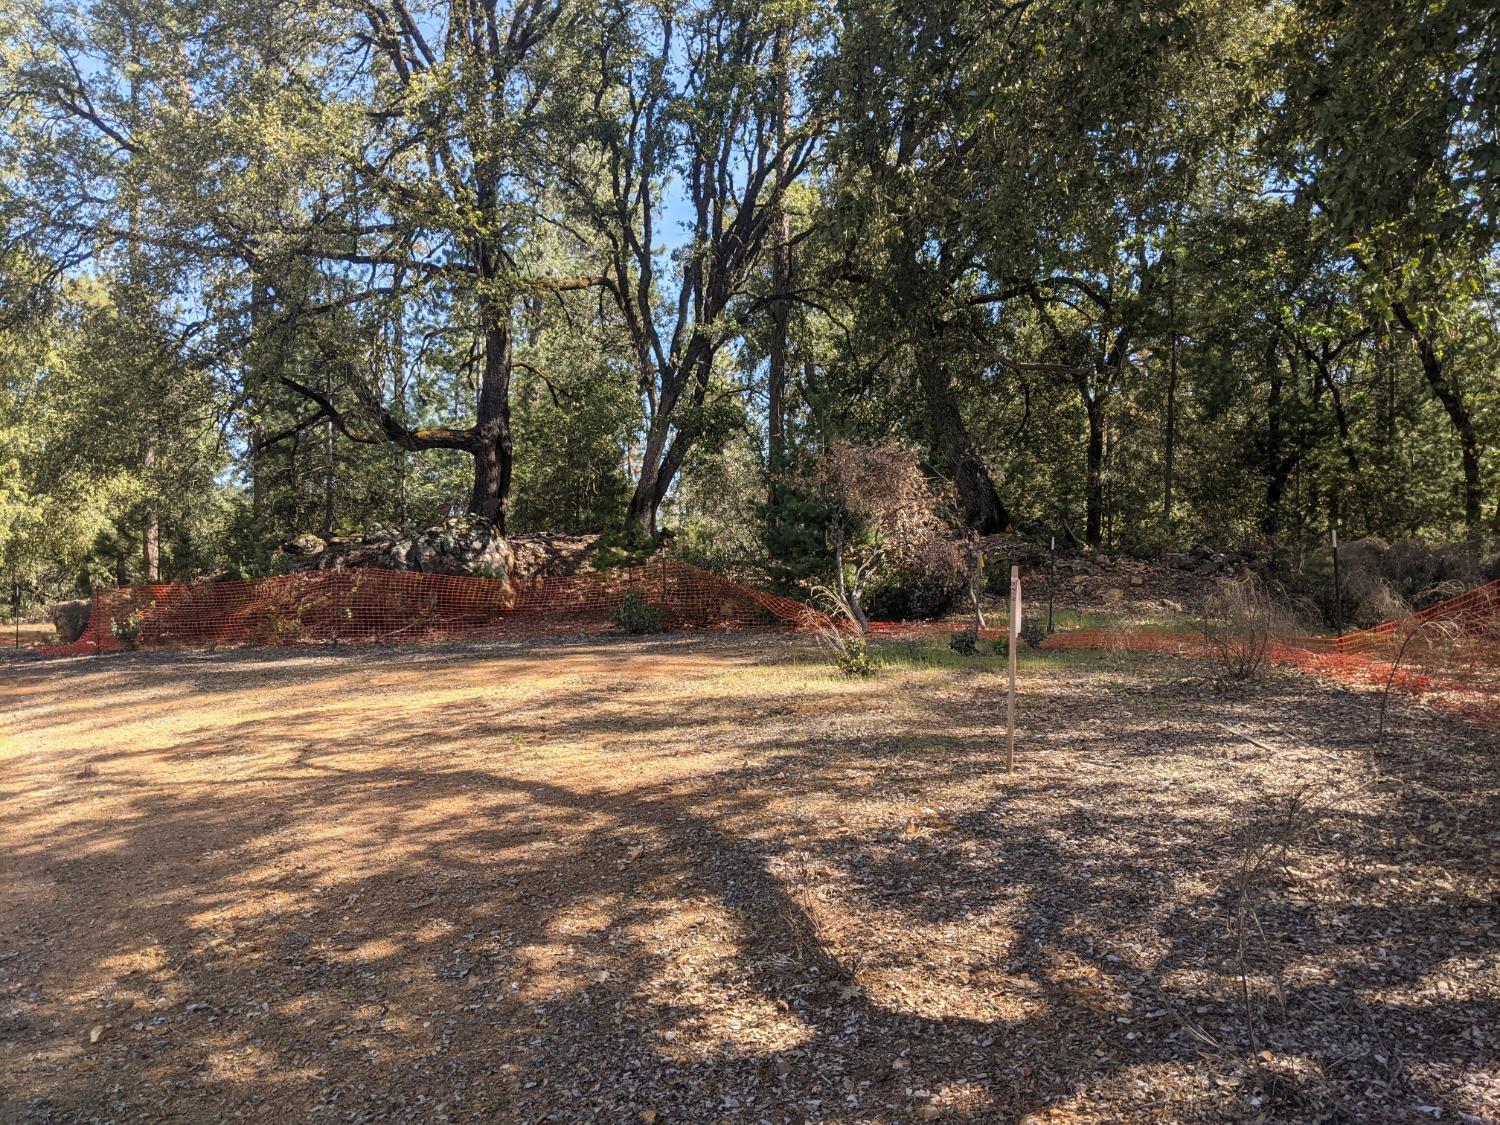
[
  {"x": 468, "y": 545},
  {"x": 69, "y": 619},
  {"x": 305, "y": 545}
]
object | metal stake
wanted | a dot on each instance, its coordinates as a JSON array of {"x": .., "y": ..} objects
[
  {"x": 1052, "y": 584},
  {"x": 1338, "y": 589}
]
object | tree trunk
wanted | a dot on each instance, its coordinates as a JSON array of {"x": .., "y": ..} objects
[
  {"x": 1277, "y": 466},
  {"x": 846, "y": 593},
  {"x": 982, "y": 508},
  {"x": 256, "y": 385},
  {"x": 662, "y": 459},
  {"x": 328, "y": 481},
  {"x": 1170, "y": 453},
  {"x": 151, "y": 534},
  {"x": 644, "y": 500},
  {"x": 781, "y": 279},
  {"x": 1093, "y": 527},
  {"x": 493, "y": 451},
  {"x": 1458, "y": 412},
  {"x": 1323, "y": 371}
]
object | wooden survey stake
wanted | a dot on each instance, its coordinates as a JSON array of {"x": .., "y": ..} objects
[{"x": 1010, "y": 700}]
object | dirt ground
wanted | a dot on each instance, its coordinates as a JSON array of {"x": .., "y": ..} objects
[
  {"x": 703, "y": 879},
  {"x": 26, "y": 634}
]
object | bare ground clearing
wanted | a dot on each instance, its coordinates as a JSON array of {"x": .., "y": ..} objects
[{"x": 703, "y": 879}]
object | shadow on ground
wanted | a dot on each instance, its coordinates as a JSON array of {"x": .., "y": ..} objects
[{"x": 589, "y": 881}]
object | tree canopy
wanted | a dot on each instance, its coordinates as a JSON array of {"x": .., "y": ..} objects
[{"x": 1137, "y": 273}]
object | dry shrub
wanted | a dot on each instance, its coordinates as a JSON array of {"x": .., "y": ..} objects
[
  {"x": 1380, "y": 581},
  {"x": 1283, "y": 824},
  {"x": 1434, "y": 646},
  {"x": 1242, "y": 621},
  {"x": 1379, "y": 603},
  {"x": 890, "y": 526}
]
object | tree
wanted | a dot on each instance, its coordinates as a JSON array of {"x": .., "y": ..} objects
[
  {"x": 885, "y": 516},
  {"x": 692, "y": 92},
  {"x": 1386, "y": 121}
]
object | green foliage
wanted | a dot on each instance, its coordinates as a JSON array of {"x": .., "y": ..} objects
[
  {"x": 965, "y": 642},
  {"x": 904, "y": 595},
  {"x": 127, "y": 629},
  {"x": 853, "y": 658},
  {"x": 637, "y": 616},
  {"x": 717, "y": 511},
  {"x": 569, "y": 435},
  {"x": 796, "y": 535},
  {"x": 1152, "y": 273},
  {"x": 622, "y": 547}
]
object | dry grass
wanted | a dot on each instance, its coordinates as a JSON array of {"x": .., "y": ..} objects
[{"x": 712, "y": 880}]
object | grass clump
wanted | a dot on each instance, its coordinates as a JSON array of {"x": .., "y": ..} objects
[
  {"x": 965, "y": 642},
  {"x": 127, "y": 629},
  {"x": 852, "y": 657}
]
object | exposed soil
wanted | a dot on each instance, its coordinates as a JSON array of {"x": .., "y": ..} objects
[
  {"x": 27, "y": 633},
  {"x": 705, "y": 880}
]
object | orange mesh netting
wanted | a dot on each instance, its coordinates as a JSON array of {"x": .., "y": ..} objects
[
  {"x": 1448, "y": 654},
  {"x": 389, "y": 606}
]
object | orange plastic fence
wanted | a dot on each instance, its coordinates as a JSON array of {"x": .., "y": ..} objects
[
  {"x": 387, "y": 606},
  {"x": 1447, "y": 654}
]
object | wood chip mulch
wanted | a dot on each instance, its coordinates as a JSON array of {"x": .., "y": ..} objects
[{"x": 706, "y": 879}]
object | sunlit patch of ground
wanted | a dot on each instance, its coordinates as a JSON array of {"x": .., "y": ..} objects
[{"x": 708, "y": 879}]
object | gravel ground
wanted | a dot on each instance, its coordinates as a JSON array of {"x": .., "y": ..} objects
[{"x": 703, "y": 879}]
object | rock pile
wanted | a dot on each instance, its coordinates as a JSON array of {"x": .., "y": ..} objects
[
  {"x": 466, "y": 545},
  {"x": 551, "y": 556},
  {"x": 1209, "y": 563}
]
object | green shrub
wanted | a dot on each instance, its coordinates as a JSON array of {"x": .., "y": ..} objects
[
  {"x": 127, "y": 629},
  {"x": 1033, "y": 633},
  {"x": 965, "y": 642},
  {"x": 636, "y": 615},
  {"x": 852, "y": 656},
  {"x": 903, "y": 597}
]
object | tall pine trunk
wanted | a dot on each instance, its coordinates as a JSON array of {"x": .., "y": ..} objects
[
  {"x": 1093, "y": 408},
  {"x": 1278, "y": 463},
  {"x": 151, "y": 533},
  {"x": 781, "y": 279},
  {"x": 1169, "y": 454}
]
